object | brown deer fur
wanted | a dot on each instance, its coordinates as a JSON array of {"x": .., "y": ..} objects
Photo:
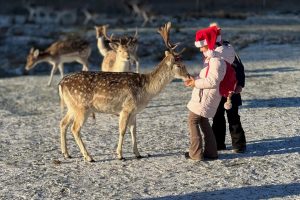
[
  {"x": 60, "y": 52},
  {"x": 118, "y": 54},
  {"x": 120, "y": 93}
]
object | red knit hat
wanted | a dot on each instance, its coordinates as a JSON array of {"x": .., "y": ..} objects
[{"x": 208, "y": 36}]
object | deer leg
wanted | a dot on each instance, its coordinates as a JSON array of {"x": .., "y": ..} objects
[
  {"x": 54, "y": 68},
  {"x": 61, "y": 69},
  {"x": 136, "y": 61},
  {"x": 64, "y": 123},
  {"x": 77, "y": 124},
  {"x": 146, "y": 19},
  {"x": 84, "y": 64},
  {"x": 137, "y": 65},
  {"x": 132, "y": 125},
  {"x": 123, "y": 121}
]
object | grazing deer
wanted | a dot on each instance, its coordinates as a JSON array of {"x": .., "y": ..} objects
[
  {"x": 124, "y": 94},
  {"x": 120, "y": 54},
  {"x": 60, "y": 52}
]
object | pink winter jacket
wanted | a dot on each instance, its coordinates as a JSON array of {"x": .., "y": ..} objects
[{"x": 207, "y": 88}]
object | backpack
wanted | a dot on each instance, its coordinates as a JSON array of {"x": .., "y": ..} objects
[{"x": 228, "y": 84}]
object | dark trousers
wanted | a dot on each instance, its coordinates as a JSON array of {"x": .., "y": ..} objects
[{"x": 235, "y": 127}]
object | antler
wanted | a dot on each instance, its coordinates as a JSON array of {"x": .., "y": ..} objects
[
  {"x": 104, "y": 28},
  {"x": 164, "y": 32},
  {"x": 135, "y": 34}
]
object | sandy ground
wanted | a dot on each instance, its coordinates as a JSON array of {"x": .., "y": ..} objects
[{"x": 30, "y": 148}]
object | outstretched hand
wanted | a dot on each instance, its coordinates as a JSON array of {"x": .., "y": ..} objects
[{"x": 190, "y": 82}]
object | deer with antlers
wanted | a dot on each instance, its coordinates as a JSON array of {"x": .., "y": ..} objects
[
  {"x": 121, "y": 93},
  {"x": 60, "y": 52},
  {"x": 118, "y": 53}
]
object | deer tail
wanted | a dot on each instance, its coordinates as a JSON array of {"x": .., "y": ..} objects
[{"x": 62, "y": 102}]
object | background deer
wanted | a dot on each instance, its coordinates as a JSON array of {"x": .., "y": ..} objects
[
  {"x": 60, "y": 52},
  {"x": 140, "y": 9},
  {"x": 123, "y": 94},
  {"x": 119, "y": 52},
  {"x": 91, "y": 17},
  {"x": 49, "y": 15}
]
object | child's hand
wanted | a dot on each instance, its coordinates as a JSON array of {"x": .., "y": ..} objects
[
  {"x": 190, "y": 82},
  {"x": 238, "y": 89}
]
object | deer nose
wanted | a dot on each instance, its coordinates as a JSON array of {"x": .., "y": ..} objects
[{"x": 188, "y": 75}]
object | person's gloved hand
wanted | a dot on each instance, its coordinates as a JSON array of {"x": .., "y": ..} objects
[{"x": 238, "y": 89}]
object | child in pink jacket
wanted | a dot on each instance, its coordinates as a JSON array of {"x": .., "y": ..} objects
[{"x": 205, "y": 96}]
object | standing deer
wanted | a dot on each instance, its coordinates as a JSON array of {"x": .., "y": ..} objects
[
  {"x": 121, "y": 93},
  {"x": 120, "y": 53},
  {"x": 60, "y": 52}
]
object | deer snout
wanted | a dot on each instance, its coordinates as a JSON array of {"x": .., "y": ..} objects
[
  {"x": 27, "y": 67},
  {"x": 187, "y": 77},
  {"x": 127, "y": 57}
]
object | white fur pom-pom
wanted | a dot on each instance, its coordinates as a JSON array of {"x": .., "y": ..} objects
[
  {"x": 213, "y": 24},
  {"x": 228, "y": 105}
]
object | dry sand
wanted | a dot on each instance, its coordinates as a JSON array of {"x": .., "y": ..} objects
[{"x": 32, "y": 167}]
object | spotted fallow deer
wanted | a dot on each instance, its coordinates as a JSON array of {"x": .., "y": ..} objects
[
  {"x": 60, "y": 52},
  {"x": 118, "y": 53},
  {"x": 121, "y": 93}
]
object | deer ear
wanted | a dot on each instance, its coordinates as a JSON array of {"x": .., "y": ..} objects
[
  {"x": 36, "y": 53},
  {"x": 167, "y": 53},
  {"x": 169, "y": 60},
  {"x": 114, "y": 46},
  {"x": 31, "y": 50}
]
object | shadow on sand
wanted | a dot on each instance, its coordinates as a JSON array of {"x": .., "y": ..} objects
[
  {"x": 270, "y": 103},
  {"x": 263, "y": 72},
  {"x": 248, "y": 192},
  {"x": 268, "y": 147}
]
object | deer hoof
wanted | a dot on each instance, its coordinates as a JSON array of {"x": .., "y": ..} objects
[
  {"x": 89, "y": 159},
  {"x": 121, "y": 158},
  {"x": 66, "y": 155}
]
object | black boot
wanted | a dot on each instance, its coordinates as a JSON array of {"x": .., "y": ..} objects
[{"x": 238, "y": 138}]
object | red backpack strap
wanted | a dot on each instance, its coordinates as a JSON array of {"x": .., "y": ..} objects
[
  {"x": 207, "y": 70},
  {"x": 227, "y": 63}
]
